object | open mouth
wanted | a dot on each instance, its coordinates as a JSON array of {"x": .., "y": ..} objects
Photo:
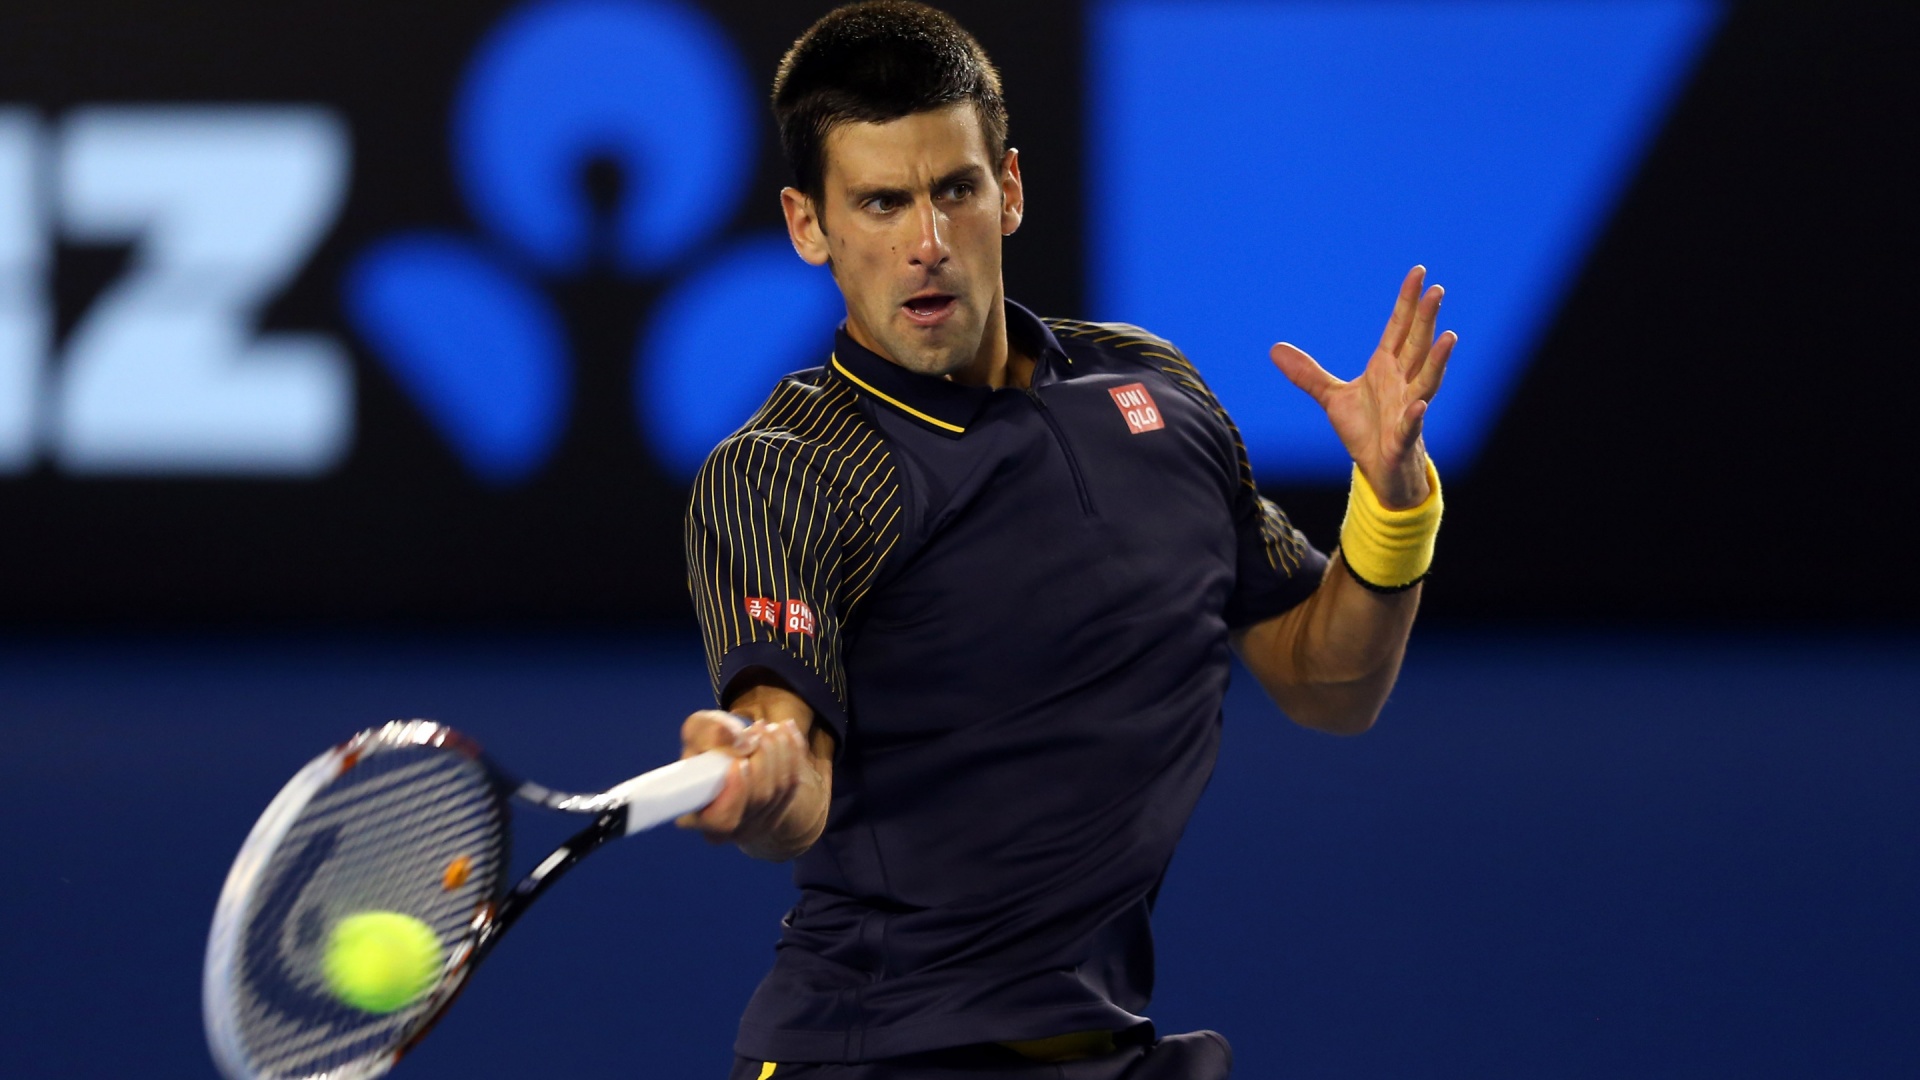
[{"x": 928, "y": 310}]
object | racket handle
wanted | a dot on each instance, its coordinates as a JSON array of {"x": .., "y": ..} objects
[{"x": 659, "y": 796}]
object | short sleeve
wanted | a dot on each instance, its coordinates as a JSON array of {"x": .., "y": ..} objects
[
  {"x": 787, "y": 524},
  {"x": 1275, "y": 567}
]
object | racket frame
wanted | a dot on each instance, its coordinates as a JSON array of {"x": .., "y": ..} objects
[{"x": 635, "y": 805}]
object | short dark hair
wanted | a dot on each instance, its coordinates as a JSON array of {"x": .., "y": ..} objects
[{"x": 874, "y": 62}]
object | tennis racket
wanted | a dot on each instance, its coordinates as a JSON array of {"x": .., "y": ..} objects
[{"x": 409, "y": 817}]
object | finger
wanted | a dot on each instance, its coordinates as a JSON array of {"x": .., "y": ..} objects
[
  {"x": 1396, "y": 331},
  {"x": 1304, "y": 372},
  {"x": 796, "y": 758},
  {"x": 792, "y": 752},
  {"x": 776, "y": 767},
  {"x": 775, "y": 758},
  {"x": 1412, "y": 422},
  {"x": 720, "y": 818},
  {"x": 783, "y": 781},
  {"x": 1426, "y": 382},
  {"x": 711, "y": 729},
  {"x": 1420, "y": 336},
  {"x": 753, "y": 776}
]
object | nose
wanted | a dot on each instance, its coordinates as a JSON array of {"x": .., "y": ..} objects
[{"x": 929, "y": 250}]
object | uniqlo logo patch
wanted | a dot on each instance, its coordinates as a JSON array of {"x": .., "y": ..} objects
[
  {"x": 764, "y": 609},
  {"x": 1137, "y": 406},
  {"x": 799, "y": 618}
]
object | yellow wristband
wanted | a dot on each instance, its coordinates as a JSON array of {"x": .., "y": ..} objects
[{"x": 1389, "y": 550}]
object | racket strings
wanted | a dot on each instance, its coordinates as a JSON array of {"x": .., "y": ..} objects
[{"x": 414, "y": 830}]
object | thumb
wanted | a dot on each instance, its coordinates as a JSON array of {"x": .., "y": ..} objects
[
  {"x": 1303, "y": 371},
  {"x": 713, "y": 729}
]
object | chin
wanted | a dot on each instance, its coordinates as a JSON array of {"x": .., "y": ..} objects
[
  {"x": 936, "y": 358},
  {"x": 938, "y": 363}
]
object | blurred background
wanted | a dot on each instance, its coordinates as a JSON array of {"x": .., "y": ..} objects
[{"x": 354, "y": 359}]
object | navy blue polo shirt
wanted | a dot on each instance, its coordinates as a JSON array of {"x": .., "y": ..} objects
[{"x": 1012, "y": 608}]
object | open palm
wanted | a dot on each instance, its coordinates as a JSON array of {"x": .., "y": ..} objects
[{"x": 1380, "y": 414}]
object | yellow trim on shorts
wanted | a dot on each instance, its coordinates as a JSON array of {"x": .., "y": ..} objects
[
  {"x": 766, "y": 1070},
  {"x": 1071, "y": 1046}
]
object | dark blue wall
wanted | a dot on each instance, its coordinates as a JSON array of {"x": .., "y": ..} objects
[{"x": 1564, "y": 856}]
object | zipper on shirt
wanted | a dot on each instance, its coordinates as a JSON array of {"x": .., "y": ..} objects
[{"x": 1059, "y": 436}]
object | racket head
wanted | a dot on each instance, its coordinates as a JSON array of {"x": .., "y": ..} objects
[{"x": 407, "y": 817}]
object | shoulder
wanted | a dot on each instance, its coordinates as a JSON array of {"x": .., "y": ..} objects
[
  {"x": 811, "y": 430},
  {"x": 1114, "y": 339},
  {"x": 807, "y": 405},
  {"x": 808, "y": 412},
  {"x": 1121, "y": 347}
]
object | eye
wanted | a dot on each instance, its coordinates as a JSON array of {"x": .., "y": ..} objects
[
  {"x": 882, "y": 204},
  {"x": 959, "y": 190}
]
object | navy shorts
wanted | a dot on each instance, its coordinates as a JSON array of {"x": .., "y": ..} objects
[{"x": 1197, "y": 1055}]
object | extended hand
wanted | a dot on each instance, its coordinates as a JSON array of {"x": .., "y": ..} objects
[
  {"x": 774, "y": 802},
  {"x": 1379, "y": 416}
]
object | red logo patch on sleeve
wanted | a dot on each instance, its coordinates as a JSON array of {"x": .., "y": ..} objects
[
  {"x": 799, "y": 618},
  {"x": 764, "y": 609},
  {"x": 1137, "y": 406}
]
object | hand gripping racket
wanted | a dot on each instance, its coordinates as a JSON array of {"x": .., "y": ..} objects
[{"x": 412, "y": 818}]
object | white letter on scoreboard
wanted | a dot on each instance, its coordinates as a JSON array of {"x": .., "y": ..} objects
[
  {"x": 165, "y": 373},
  {"x": 24, "y": 312}
]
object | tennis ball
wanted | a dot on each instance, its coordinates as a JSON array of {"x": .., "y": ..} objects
[{"x": 380, "y": 961}]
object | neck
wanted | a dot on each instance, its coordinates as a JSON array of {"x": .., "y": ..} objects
[{"x": 990, "y": 366}]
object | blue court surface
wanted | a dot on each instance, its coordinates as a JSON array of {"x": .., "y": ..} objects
[{"x": 1560, "y": 855}]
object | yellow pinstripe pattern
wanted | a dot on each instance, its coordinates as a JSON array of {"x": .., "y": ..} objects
[
  {"x": 1284, "y": 545},
  {"x": 802, "y": 503}
]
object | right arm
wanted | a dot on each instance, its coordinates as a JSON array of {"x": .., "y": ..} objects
[{"x": 768, "y": 540}]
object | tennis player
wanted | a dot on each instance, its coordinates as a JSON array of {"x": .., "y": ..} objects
[{"x": 974, "y": 581}]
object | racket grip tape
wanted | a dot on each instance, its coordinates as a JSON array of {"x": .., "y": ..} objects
[{"x": 659, "y": 796}]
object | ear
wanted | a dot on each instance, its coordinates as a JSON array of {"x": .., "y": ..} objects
[
  {"x": 1013, "y": 196},
  {"x": 803, "y": 226}
]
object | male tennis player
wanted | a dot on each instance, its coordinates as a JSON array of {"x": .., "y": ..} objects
[{"x": 974, "y": 581}]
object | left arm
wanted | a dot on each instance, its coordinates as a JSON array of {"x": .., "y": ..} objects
[{"x": 1330, "y": 662}]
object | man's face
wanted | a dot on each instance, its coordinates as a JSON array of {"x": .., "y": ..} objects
[{"x": 911, "y": 222}]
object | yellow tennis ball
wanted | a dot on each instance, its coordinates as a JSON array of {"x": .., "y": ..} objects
[{"x": 380, "y": 961}]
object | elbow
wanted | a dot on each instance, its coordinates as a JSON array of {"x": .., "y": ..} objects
[
  {"x": 1343, "y": 708},
  {"x": 1345, "y": 705}
]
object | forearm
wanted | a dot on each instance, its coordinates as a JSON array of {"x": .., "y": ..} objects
[{"x": 1331, "y": 662}]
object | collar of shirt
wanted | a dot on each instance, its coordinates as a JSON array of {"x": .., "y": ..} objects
[{"x": 938, "y": 403}]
